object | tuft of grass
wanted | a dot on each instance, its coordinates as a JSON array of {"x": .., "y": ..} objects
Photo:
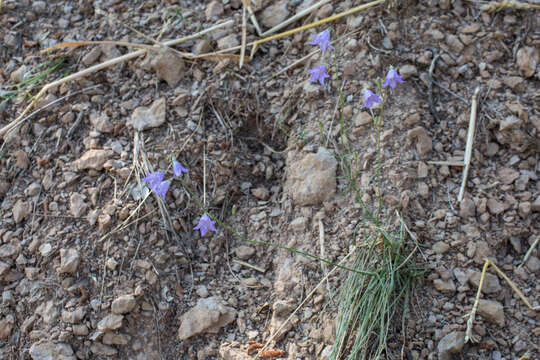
[
  {"x": 36, "y": 78},
  {"x": 370, "y": 304}
]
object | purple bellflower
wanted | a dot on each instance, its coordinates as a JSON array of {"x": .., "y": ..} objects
[
  {"x": 322, "y": 39},
  {"x": 178, "y": 169},
  {"x": 371, "y": 98},
  {"x": 205, "y": 225},
  {"x": 392, "y": 79},
  {"x": 153, "y": 178},
  {"x": 162, "y": 188},
  {"x": 318, "y": 73}
]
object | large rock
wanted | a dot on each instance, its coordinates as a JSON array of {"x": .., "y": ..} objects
[
  {"x": 47, "y": 350},
  {"x": 208, "y": 316},
  {"x": 144, "y": 118},
  {"x": 312, "y": 179}
]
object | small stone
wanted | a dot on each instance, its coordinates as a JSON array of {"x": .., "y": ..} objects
[
  {"x": 21, "y": 159},
  {"x": 362, "y": 118},
  {"x": 492, "y": 311},
  {"x": 214, "y": 10},
  {"x": 80, "y": 330},
  {"x": 45, "y": 249},
  {"x": 47, "y": 350},
  {"x": 244, "y": 252},
  {"x": 536, "y": 204},
  {"x": 77, "y": 206},
  {"x": 123, "y": 304},
  {"x": 21, "y": 210},
  {"x": 467, "y": 208},
  {"x": 32, "y": 189},
  {"x": 202, "y": 291},
  {"x": 169, "y": 67},
  {"x": 424, "y": 144},
  {"x": 445, "y": 286},
  {"x": 312, "y": 179},
  {"x": 201, "y": 47},
  {"x": 73, "y": 317},
  {"x": 19, "y": 75},
  {"x": 495, "y": 207},
  {"x": 115, "y": 339},
  {"x": 533, "y": 264},
  {"x": 454, "y": 43},
  {"x": 440, "y": 247},
  {"x": 228, "y": 41},
  {"x": 524, "y": 209},
  {"x": 451, "y": 344},
  {"x": 261, "y": 193},
  {"x": 144, "y": 118},
  {"x": 102, "y": 349},
  {"x": 527, "y": 60},
  {"x": 208, "y": 316},
  {"x": 299, "y": 224},
  {"x": 93, "y": 159},
  {"x": 422, "y": 171},
  {"x": 275, "y": 14},
  {"x": 407, "y": 71},
  {"x": 491, "y": 282},
  {"x": 92, "y": 56},
  {"x": 69, "y": 261},
  {"x": 40, "y": 7},
  {"x": 507, "y": 175},
  {"x": 6, "y": 326},
  {"x": 101, "y": 123},
  {"x": 8, "y": 250},
  {"x": 110, "y": 322}
]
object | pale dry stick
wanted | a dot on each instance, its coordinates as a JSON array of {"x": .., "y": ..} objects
[
  {"x": 248, "y": 265},
  {"x": 252, "y": 17},
  {"x": 303, "y": 302},
  {"x": 323, "y": 255},
  {"x": 512, "y": 4},
  {"x": 314, "y": 24},
  {"x": 528, "y": 253},
  {"x": 468, "y": 332},
  {"x": 469, "y": 145},
  {"x": 295, "y": 17},
  {"x": 244, "y": 36},
  {"x": 98, "y": 67}
]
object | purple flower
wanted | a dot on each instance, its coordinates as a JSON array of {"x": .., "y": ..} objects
[
  {"x": 322, "y": 39},
  {"x": 318, "y": 73},
  {"x": 178, "y": 169},
  {"x": 205, "y": 225},
  {"x": 392, "y": 79},
  {"x": 162, "y": 188},
  {"x": 154, "y": 178},
  {"x": 371, "y": 98}
]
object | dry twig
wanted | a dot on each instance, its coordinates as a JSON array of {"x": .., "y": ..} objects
[{"x": 470, "y": 140}]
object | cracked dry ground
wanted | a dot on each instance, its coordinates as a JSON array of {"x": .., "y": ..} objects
[{"x": 148, "y": 292}]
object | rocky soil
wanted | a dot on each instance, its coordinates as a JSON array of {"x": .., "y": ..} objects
[{"x": 90, "y": 268}]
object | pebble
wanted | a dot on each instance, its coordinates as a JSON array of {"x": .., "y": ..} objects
[
  {"x": 80, "y": 330},
  {"x": 110, "y": 322},
  {"x": 261, "y": 193},
  {"x": 467, "y": 208},
  {"x": 445, "y": 286},
  {"x": 21, "y": 210},
  {"x": 495, "y": 207},
  {"x": 424, "y": 144},
  {"x": 123, "y": 304},
  {"x": 169, "y": 67},
  {"x": 101, "y": 123},
  {"x": 75, "y": 316},
  {"x": 39, "y": 7},
  {"x": 451, "y": 344},
  {"x": 102, "y": 349},
  {"x": 228, "y": 41},
  {"x": 69, "y": 261},
  {"x": 312, "y": 179},
  {"x": 244, "y": 252},
  {"x": 77, "y": 205},
  {"x": 527, "y": 60},
  {"x": 144, "y": 118},
  {"x": 6, "y": 326},
  {"x": 533, "y": 264},
  {"x": 93, "y": 159},
  {"x": 8, "y": 250},
  {"x": 299, "y": 224},
  {"x": 507, "y": 175},
  {"x": 214, "y": 10},
  {"x": 407, "y": 71},
  {"x": 492, "y": 311},
  {"x": 440, "y": 247},
  {"x": 208, "y": 316},
  {"x": 48, "y": 350},
  {"x": 491, "y": 282},
  {"x": 275, "y": 14}
]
